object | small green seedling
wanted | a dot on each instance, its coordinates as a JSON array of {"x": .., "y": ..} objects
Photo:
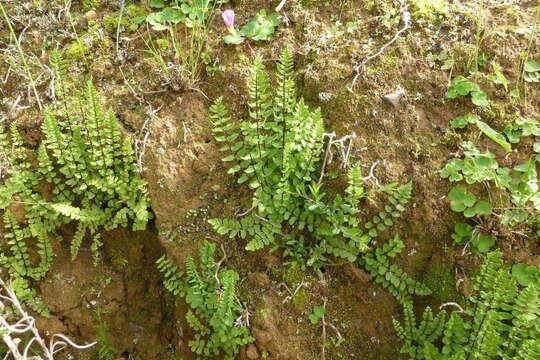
[
  {"x": 462, "y": 87},
  {"x": 462, "y": 201},
  {"x": 462, "y": 121},
  {"x": 531, "y": 71},
  {"x": 499, "y": 77},
  {"x": 462, "y": 233},
  {"x": 260, "y": 28},
  {"x": 483, "y": 243},
  {"x": 480, "y": 208},
  {"x": 525, "y": 274},
  {"x": 520, "y": 128},
  {"x": 316, "y": 316}
]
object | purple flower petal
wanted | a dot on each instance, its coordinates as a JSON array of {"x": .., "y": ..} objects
[{"x": 228, "y": 18}]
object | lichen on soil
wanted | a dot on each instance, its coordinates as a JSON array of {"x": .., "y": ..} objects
[{"x": 188, "y": 183}]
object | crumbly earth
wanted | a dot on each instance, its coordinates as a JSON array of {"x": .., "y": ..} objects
[{"x": 188, "y": 184}]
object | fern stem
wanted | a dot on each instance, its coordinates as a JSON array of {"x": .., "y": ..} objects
[{"x": 257, "y": 116}]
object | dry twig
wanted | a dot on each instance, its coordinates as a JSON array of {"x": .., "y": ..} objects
[
  {"x": 406, "y": 16},
  {"x": 344, "y": 145},
  {"x": 14, "y": 333}
]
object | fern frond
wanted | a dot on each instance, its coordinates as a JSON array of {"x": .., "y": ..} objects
[
  {"x": 76, "y": 242},
  {"x": 174, "y": 281},
  {"x": 355, "y": 189}
]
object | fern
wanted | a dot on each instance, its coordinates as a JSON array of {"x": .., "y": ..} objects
[
  {"x": 210, "y": 292},
  {"x": 19, "y": 261},
  {"x": 428, "y": 330},
  {"x": 391, "y": 276},
  {"x": 277, "y": 152},
  {"x": 504, "y": 322},
  {"x": 173, "y": 278},
  {"x": 89, "y": 168}
]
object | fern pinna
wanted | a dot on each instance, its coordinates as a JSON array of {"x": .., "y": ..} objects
[
  {"x": 277, "y": 152},
  {"x": 83, "y": 171},
  {"x": 503, "y": 323},
  {"x": 211, "y": 293}
]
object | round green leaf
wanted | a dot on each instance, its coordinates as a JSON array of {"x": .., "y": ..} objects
[
  {"x": 525, "y": 274},
  {"x": 483, "y": 208},
  {"x": 483, "y": 242}
]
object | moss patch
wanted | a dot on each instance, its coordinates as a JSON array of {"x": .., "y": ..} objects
[
  {"x": 131, "y": 19},
  {"x": 77, "y": 50},
  {"x": 429, "y": 8},
  {"x": 441, "y": 281}
]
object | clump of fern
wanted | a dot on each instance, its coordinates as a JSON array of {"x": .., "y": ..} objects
[
  {"x": 215, "y": 312},
  {"x": 83, "y": 172},
  {"x": 277, "y": 152},
  {"x": 502, "y": 323}
]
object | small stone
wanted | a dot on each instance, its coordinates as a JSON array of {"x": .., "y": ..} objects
[
  {"x": 44, "y": 57},
  {"x": 252, "y": 353},
  {"x": 90, "y": 15},
  {"x": 85, "y": 19},
  {"x": 393, "y": 99}
]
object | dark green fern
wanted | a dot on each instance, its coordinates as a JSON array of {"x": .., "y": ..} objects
[
  {"x": 277, "y": 151},
  {"x": 502, "y": 323},
  {"x": 88, "y": 169},
  {"x": 210, "y": 291}
]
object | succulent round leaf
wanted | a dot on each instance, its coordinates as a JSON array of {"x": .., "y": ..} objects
[{"x": 483, "y": 242}]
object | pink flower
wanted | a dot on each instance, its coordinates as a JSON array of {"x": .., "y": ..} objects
[{"x": 228, "y": 18}]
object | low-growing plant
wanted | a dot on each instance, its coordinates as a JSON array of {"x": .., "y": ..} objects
[
  {"x": 531, "y": 71},
  {"x": 260, "y": 28},
  {"x": 483, "y": 243},
  {"x": 502, "y": 323},
  {"x": 106, "y": 350},
  {"x": 522, "y": 127},
  {"x": 215, "y": 313},
  {"x": 462, "y": 201},
  {"x": 525, "y": 274},
  {"x": 462, "y": 87},
  {"x": 464, "y": 120},
  {"x": 498, "y": 77},
  {"x": 391, "y": 276},
  {"x": 317, "y": 314},
  {"x": 277, "y": 152},
  {"x": 517, "y": 188},
  {"x": 196, "y": 18},
  {"x": 429, "y": 329},
  {"x": 465, "y": 233},
  {"x": 89, "y": 173}
]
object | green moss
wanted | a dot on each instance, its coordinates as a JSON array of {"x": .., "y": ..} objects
[
  {"x": 307, "y": 2},
  {"x": 451, "y": 138},
  {"x": 429, "y": 8},
  {"x": 388, "y": 61},
  {"x": 441, "y": 281},
  {"x": 293, "y": 275},
  {"x": 131, "y": 19},
  {"x": 300, "y": 300},
  {"x": 87, "y": 5},
  {"x": 77, "y": 50}
]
